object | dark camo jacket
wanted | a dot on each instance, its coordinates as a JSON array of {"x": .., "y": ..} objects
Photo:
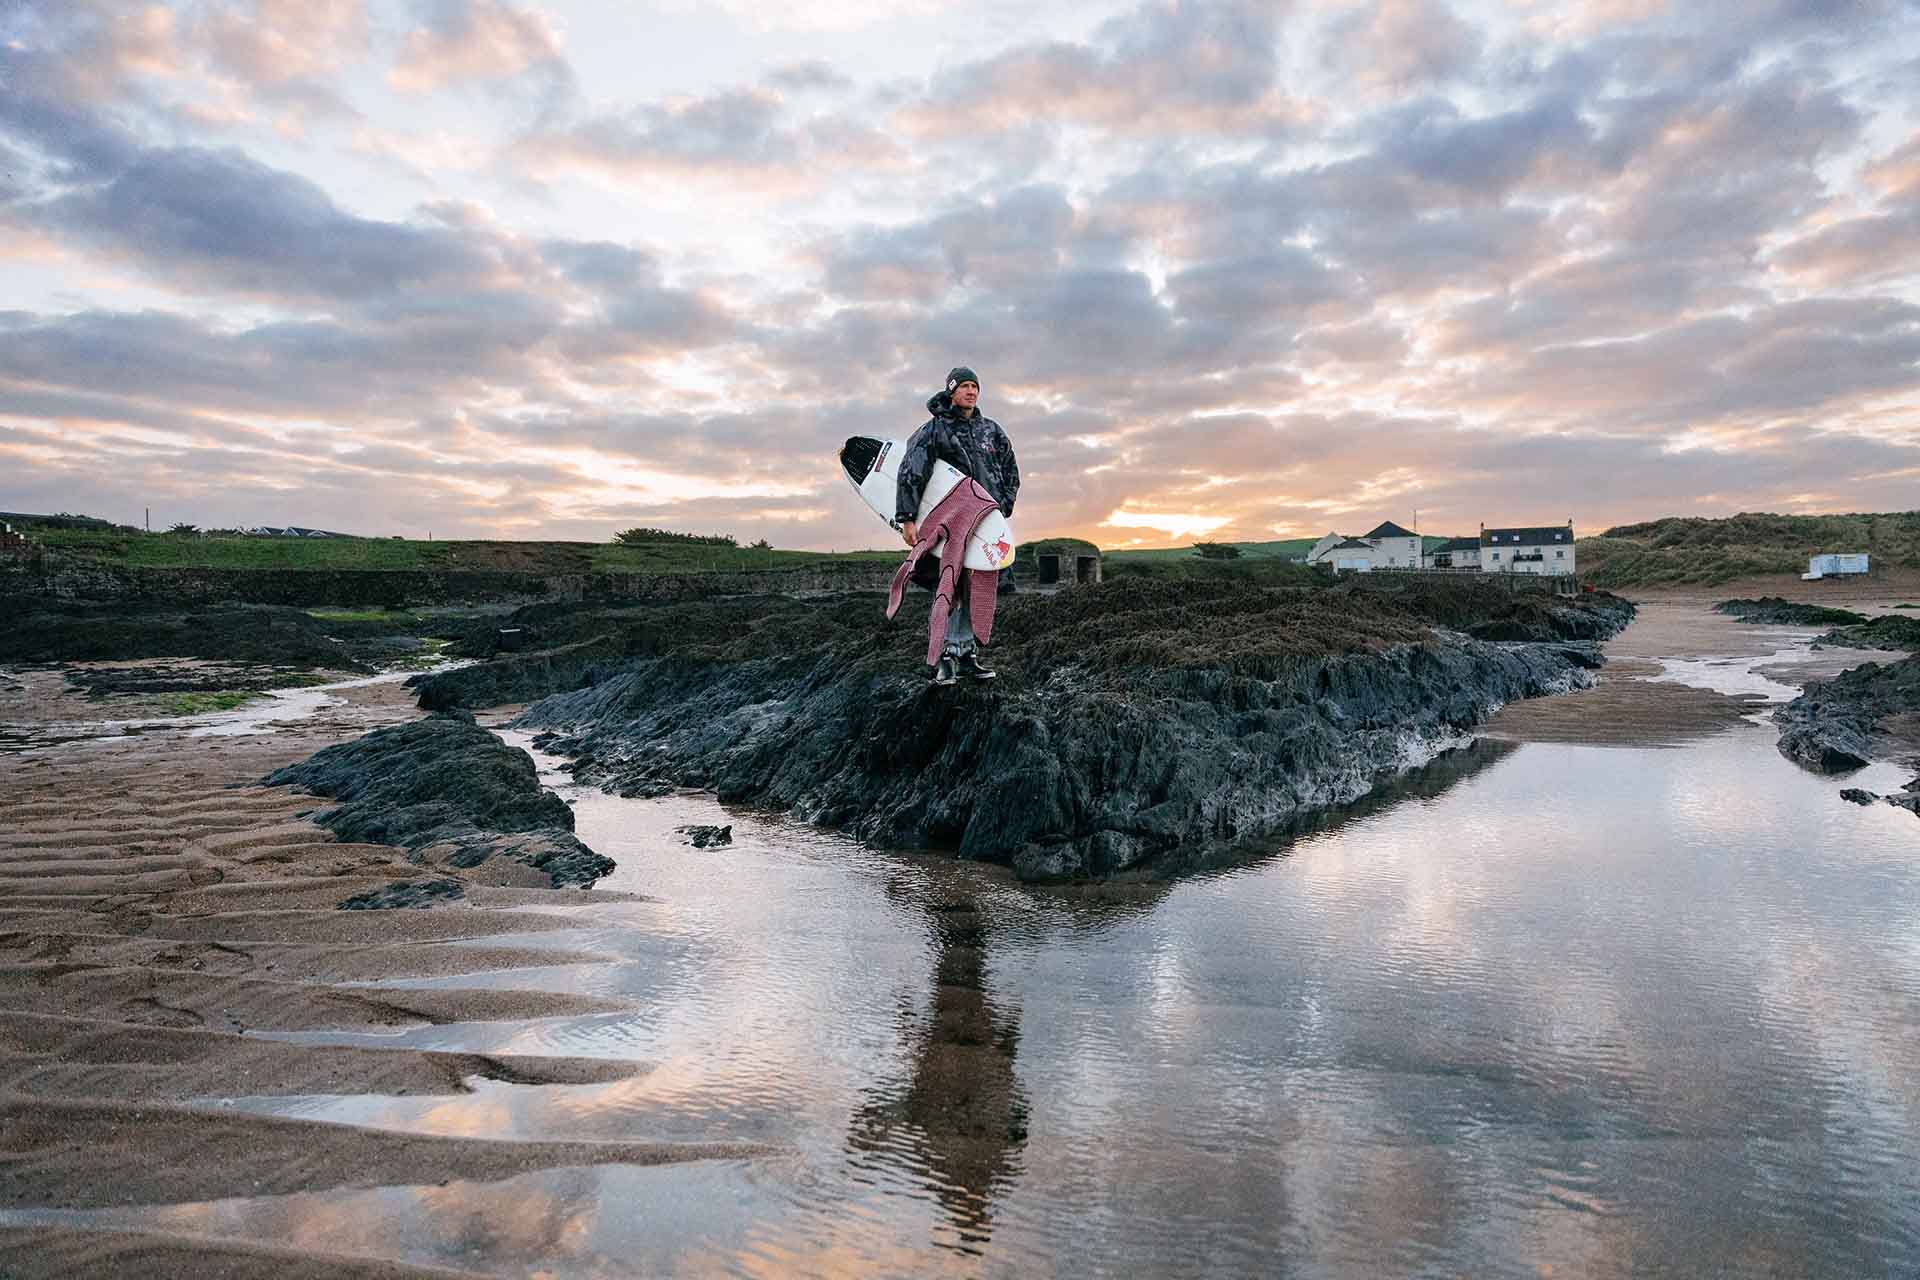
[{"x": 976, "y": 445}]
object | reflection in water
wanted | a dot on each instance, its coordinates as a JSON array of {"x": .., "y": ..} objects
[
  {"x": 1552, "y": 1008},
  {"x": 959, "y": 1119},
  {"x": 1432, "y": 779}
]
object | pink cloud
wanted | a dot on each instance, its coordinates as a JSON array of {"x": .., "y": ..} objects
[
  {"x": 280, "y": 42},
  {"x": 479, "y": 40}
]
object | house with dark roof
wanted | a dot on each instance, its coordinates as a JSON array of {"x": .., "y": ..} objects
[
  {"x": 1455, "y": 553},
  {"x": 1542, "y": 549},
  {"x": 1352, "y": 555},
  {"x": 1394, "y": 547}
]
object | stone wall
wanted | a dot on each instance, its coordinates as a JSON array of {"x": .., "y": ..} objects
[{"x": 68, "y": 579}]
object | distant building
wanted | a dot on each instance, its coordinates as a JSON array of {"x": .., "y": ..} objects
[
  {"x": 1352, "y": 555},
  {"x": 1455, "y": 553},
  {"x": 1834, "y": 566},
  {"x": 1394, "y": 547},
  {"x": 1546, "y": 549}
]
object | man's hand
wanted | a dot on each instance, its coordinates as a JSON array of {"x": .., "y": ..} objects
[{"x": 910, "y": 532}]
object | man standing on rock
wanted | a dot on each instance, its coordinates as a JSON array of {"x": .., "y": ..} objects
[{"x": 959, "y": 434}]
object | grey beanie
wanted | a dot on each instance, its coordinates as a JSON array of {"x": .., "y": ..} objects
[{"x": 961, "y": 374}]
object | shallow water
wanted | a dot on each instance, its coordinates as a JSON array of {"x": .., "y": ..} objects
[
  {"x": 272, "y": 709},
  {"x": 1547, "y": 1009}
]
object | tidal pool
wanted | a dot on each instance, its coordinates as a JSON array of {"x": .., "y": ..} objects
[{"x": 1542, "y": 1009}]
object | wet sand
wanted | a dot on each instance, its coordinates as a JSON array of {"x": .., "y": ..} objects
[
  {"x": 1681, "y": 672},
  {"x": 158, "y": 907}
]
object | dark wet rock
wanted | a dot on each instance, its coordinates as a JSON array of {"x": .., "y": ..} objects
[
  {"x": 1832, "y": 726},
  {"x": 520, "y": 677},
  {"x": 43, "y": 630},
  {"x": 403, "y": 894},
  {"x": 707, "y": 837},
  {"x": 445, "y": 784},
  {"x": 1778, "y": 611},
  {"x": 1856, "y": 795},
  {"x": 1886, "y": 632},
  {"x": 1132, "y": 725}
]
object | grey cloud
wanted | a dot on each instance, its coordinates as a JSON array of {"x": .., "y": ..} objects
[
  {"x": 1181, "y": 67},
  {"x": 1857, "y": 251},
  {"x": 1487, "y": 156},
  {"x": 1402, "y": 43},
  {"x": 812, "y": 76},
  {"x": 722, "y": 135},
  {"x": 223, "y": 219}
]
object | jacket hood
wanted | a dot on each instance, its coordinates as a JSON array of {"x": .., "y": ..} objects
[{"x": 940, "y": 404}]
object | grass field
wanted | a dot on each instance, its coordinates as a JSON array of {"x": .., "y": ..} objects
[{"x": 172, "y": 551}]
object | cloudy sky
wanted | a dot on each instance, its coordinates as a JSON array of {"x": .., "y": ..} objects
[{"x": 1239, "y": 269}]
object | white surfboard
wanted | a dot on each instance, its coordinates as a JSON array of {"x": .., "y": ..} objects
[{"x": 873, "y": 465}]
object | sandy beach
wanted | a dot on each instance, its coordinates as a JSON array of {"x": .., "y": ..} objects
[
  {"x": 159, "y": 907},
  {"x": 156, "y": 906}
]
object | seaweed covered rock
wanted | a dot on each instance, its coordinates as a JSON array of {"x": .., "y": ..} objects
[
  {"x": 1889, "y": 631},
  {"x": 1137, "y": 724},
  {"x": 445, "y": 785},
  {"x": 1835, "y": 724},
  {"x": 519, "y": 677},
  {"x": 47, "y": 630},
  {"x": 1778, "y": 611}
]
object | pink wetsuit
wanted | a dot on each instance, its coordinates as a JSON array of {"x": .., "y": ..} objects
[{"x": 954, "y": 519}]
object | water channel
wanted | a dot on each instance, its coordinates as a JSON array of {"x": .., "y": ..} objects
[{"x": 1544, "y": 1008}]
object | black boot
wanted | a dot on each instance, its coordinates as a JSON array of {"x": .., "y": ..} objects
[
  {"x": 943, "y": 670},
  {"x": 974, "y": 669}
]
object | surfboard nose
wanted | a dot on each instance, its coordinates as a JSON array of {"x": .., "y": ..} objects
[{"x": 858, "y": 455}]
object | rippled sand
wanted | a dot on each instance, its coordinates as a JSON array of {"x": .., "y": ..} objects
[{"x": 156, "y": 906}]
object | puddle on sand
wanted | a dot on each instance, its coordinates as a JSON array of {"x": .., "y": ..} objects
[{"x": 261, "y": 715}]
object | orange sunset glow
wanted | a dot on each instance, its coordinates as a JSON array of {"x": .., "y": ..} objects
[{"x": 1240, "y": 270}]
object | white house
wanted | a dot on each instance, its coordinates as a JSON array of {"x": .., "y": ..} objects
[
  {"x": 1394, "y": 547},
  {"x": 1318, "y": 551},
  {"x": 1546, "y": 549},
  {"x": 1455, "y": 553},
  {"x": 1354, "y": 555}
]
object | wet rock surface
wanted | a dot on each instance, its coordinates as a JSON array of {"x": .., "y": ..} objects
[
  {"x": 446, "y": 789},
  {"x": 1886, "y": 632},
  {"x": 1134, "y": 726},
  {"x": 520, "y": 677},
  {"x": 259, "y": 646},
  {"x": 707, "y": 837},
  {"x": 1777, "y": 611},
  {"x": 1842, "y": 723}
]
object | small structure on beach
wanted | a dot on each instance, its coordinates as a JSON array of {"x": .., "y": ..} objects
[
  {"x": 1835, "y": 566},
  {"x": 1067, "y": 569}
]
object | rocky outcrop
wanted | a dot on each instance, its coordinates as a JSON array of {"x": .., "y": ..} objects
[
  {"x": 1832, "y": 726},
  {"x": 75, "y": 578},
  {"x": 1779, "y": 611},
  {"x": 450, "y": 793},
  {"x": 519, "y": 677},
  {"x": 1889, "y": 631},
  {"x": 706, "y": 837},
  {"x": 1132, "y": 727}
]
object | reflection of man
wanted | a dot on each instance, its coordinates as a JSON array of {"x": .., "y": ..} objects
[
  {"x": 957, "y": 433},
  {"x": 960, "y": 1116}
]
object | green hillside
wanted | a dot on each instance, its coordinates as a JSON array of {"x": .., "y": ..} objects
[
  {"x": 1696, "y": 551},
  {"x": 134, "y": 549},
  {"x": 1285, "y": 549}
]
